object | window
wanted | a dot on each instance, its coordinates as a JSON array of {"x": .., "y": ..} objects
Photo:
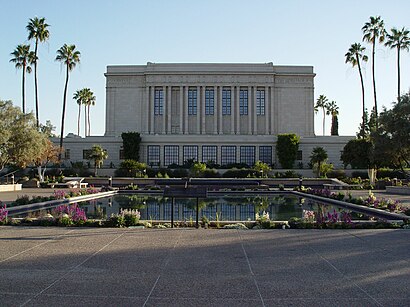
[
  {"x": 122, "y": 157},
  {"x": 228, "y": 155},
  {"x": 86, "y": 153},
  {"x": 299, "y": 156},
  {"x": 192, "y": 102},
  {"x": 243, "y": 102},
  {"x": 209, "y": 154},
  {"x": 171, "y": 154},
  {"x": 209, "y": 102},
  {"x": 260, "y": 102},
  {"x": 67, "y": 154},
  {"x": 226, "y": 102},
  {"x": 265, "y": 154},
  {"x": 190, "y": 152},
  {"x": 153, "y": 155},
  {"x": 247, "y": 155},
  {"x": 159, "y": 102}
]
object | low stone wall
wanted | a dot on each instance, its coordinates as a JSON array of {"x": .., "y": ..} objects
[
  {"x": 398, "y": 190},
  {"x": 10, "y": 187}
]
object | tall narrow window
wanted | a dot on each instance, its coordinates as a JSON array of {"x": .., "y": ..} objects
[
  {"x": 243, "y": 102},
  {"x": 159, "y": 102},
  {"x": 192, "y": 101},
  {"x": 260, "y": 102},
  {"x": 209, "y": 102},
  {"x": 226, "y": 102},
  {"x": 228, "y": 155},
  {"x": 190, "y": 153},
  {"x": 247, "y": 155},
  {"x": 265, "y": 154},
  {"x": 209, "y": 154},
  {"x": 153, "y": 155},
  {"x": 171, "y": 154}
]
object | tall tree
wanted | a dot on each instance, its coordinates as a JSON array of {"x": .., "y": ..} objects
[
  {"x": 398, "y": 39},
  {"x": 23, "y": 58},
  {"x": 89, "y": 102},
  {"x": 333, "y": 110},
  {"x": 353, "y": 56},
  {"x": 322, "y": 102},
  {"x": 373, "y": 31},
  {"x": 37, "y": 30},
  {"x": 68, "y": 56},
  {"x": 78, "y": 97},
  {"x": 319, "y": 155}
]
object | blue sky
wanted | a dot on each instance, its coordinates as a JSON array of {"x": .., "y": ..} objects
[{"x": 291, "y": 32}]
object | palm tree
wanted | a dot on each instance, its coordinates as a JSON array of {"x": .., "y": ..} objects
[
  {"x": 68, "y": 56},
  {"x": 398, "y": 39},
  {"x": 90, "y": 102},
  {"x": 322, "y": 102},
  {"x": 37, "y": 30},
  {"x": 98, "y": 155},
  {"x": 373, "y": 30},
  {"x": 79, "y": 98},
  {"x": 333, "y": 110},
  {"x": 353, "y": 56},
  {"x": 23, "y": 58},
  {"x": 319, "y": 155}
]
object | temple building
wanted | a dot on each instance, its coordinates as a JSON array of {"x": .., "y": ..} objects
[{"x": 224, "y": 113}]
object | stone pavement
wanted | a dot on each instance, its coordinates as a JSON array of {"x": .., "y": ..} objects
[{"x": 53, "y": 266}]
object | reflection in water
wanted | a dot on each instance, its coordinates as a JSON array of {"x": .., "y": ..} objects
[{"x": 280, "y": 208}]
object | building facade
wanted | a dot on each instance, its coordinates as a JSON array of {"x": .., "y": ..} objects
[{"x": 224, "y": 113}]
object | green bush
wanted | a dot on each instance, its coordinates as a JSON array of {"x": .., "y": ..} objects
[
  {"x": 337, "y": 173},
  {"x": 211, "y": 173},
  {"x": 287, "y": 147},
  {"x": 239, "y": 173}
]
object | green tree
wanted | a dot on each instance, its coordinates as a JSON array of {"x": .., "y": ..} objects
[
  {"x": 198, "y": 169},
  {"x": 287, "y": 147},
  {"x": 262, "y": 169},
  {"x": 86, "y": 98},
  {"x": 322, "y": 102},
  {"x": 70, "y": 57},
  {"x": 358, "y": 153},
  {"x": 20, "y": 141},
  {"x": 23, "y": 58},
  {"x": 333, "y": 110},
  {"x": 373, "y": 31},
  {"x": 131, "y": 145},
  {"x": 91, "y": 99},
  {"x": 353, "y": 56},
  {"x": 79, "y": 98},
  {"x": 318, "y": 156},
  {"x": 98, "y": 155},
  {"x": 38, "y": 30},
  {"x": 131, "y": 168},
  {"x": 400, "y": 40},
  {"x": 48, "y": 129}
]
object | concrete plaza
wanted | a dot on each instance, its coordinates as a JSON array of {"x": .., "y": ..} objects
[{"x": 53, "y": 266}]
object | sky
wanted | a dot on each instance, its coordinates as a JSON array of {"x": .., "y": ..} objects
[{"x": 125, "y": 32}]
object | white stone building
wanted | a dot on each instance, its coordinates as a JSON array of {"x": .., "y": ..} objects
[{"x": 225, "y": 113}]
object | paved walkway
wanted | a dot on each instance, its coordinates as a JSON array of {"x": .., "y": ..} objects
[{"x": 189, "y": 267}]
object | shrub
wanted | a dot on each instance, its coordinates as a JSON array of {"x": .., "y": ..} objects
[
  {"x": 363, "y": 175},
  {"x": 337, "y": 173},
  {"x": 179, "y": 173},
  {"x": 131, "y": 168},
  {"x": 238, "y": 173},
  {"x": 211, "y": 173},
  {"x": 287, "y": 148},
  {"x": 3, "y": 214}
]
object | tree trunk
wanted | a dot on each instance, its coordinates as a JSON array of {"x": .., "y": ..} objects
[
  {"x": 89, "y": 125},
  {"x": 23, "y": 85},
  {"x": 85, "y": 121},
  {"x": 324, "y": 118},
  {"x": 398, "y": 73},
  {"x": 40, "y": 174},
  {"x": 35, "y": 83},
  {"x": 63, "y": 115},
  {"x": 78, "y": 120},
  {"x": 374, "y": 82},
  {"x": 363, "y": 104}
]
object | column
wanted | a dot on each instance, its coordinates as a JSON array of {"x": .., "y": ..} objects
[
  {"x": 255, "y": 116},
  {"x": 198, "y": 110},
  {"x": 165, "y": 110},
  {"x": 203, "y": 110},
  {"x": 216, "y": 109},
  {"x": 220, "y": 127},
  {"x": 233, "y": 109},
  {"x": 238, "y": 115},
  {"x": 267, "y": 108},
  {"x": 169, "y": 109},
  {"x": 145, "y": 111},
  {"x": 181, "y": 109},
  {"x": 185, "y": 111},
  {"x": 250, "y": 110},
  {"x": 151, "y": 110},
  {"x": 272, "y": 111}
]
